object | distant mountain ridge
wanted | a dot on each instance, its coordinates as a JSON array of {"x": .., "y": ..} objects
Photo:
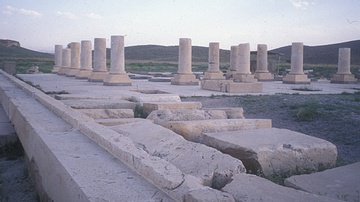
[{"x": 326, "y": 54}]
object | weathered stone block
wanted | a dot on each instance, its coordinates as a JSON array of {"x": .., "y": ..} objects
[
  {"x": 211, "y": 166},
  {"x": 296, "y": 79},
  {"x": 108, "y": 113},
  {"x": 246, "y": 187},
  {"x": 99, "y": 104},
  {"x": 192, "y": 130},
  {"x": 234, "y": 87},
  {"x": 151, "y": 106},
  {"x": 341, "y": 183},
  {"x": 113, "y": 122},
  {"x": 274, "y": 151}
]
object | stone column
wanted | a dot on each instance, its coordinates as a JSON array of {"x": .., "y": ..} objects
[
  {"x": 185, "y": 75},
  {"x": 117, "y": 75},
  {"x": 243, "y": 73},
  {"x": 262, "y": 73},
  {"x": 65, "y": 62},
  {"x": 99, "y": 71},
  {"x": 343, "y": 74},
  {"x": 75, "y": 59},
  {"x": 85, "y": 60},
  {"x": 57, "y": 58},
  {"x": 296, "y": 75},
  {"x": 213, "y": 72},
  {"x": 234, "y": 61}
]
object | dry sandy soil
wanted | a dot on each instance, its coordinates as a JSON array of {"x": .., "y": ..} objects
[{"x": 335, "y": 118}]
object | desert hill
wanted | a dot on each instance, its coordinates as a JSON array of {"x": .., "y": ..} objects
[{"x": 326, "y": 54}]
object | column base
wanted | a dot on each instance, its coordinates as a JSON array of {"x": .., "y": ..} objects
[
  {"x": 229, "y": 86},
  {"x": 296, "y": 79},
  {"x": 344, "y": 78},
  {"x": 83, "y": 74},
  {"x": 244, "y": 78},
  {"x": 97, "y": 76},
  {"x": 214, "y": 75},
  {"x": 63, "y": 70},
  {"x": 117, "y": 80},
  {"x": 230, "y": 74},
  {"x": 55, "y": 69},
  {"x": 264, "y": 76},
  {"x": 72, "y": 72},
  {"x": 184, "y": 79}
]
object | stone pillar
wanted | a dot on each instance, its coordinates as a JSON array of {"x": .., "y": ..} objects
[
  {"x": 85, "y": 60},
  {"x": 343, "y": 74},
  {"x": 99, "y": 71},
  {"x": 234, "y": 61},
  {"x": 184, "y": 75},
  {"x": 243, "y": 73},
  {"x": 262, "y": 73},
  {"x": 117, "y": 75},
  {"x": 65, "y": 62},
  {"x": 57, "y": 58},
  {"x": 213, "y": 72},
  {"x": 296, "y": 75},
  {"x": 75, "y": 59}
]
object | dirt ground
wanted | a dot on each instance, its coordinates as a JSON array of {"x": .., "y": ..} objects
[{"x": 335, "y": 118}]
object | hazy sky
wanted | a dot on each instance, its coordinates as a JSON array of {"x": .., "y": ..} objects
[{"x": 40, "y": 24}]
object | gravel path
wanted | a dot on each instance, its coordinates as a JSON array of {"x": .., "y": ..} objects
[{"x": 335, "y": 118}]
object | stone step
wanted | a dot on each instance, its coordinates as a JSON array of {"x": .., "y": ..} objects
[
  {"x": 149, "y": 97},
  {"x": 192, "y": 130},
  {"x": 100, "y": 104},
  {"x": 211, "y": 166},
  {"x": 148, "y": 107},
  {"x": 108, "y": 113},
  {"x": 114, "y": 122},
  {"x": 245, "y": 187},
  {"x": 273, "y": 151},
  {"x": 341, "y": 183}
]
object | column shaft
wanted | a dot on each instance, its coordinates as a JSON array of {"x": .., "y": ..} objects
[
  {"x": 117, "y": 65},
  {"x": 184, "y": 56},
  {"x": 344, "y": 61},
  {"x": 100, "y": 55},
  {"x": 244, "y": 59},
  {"x": 86, "y": 55},
  {"x": 58, "y": 55},
  {"x": 262, "y": 58},
  {"x": 297, "y": 55}
]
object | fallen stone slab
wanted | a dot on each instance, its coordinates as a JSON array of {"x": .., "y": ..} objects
[
  {"x": 192, "y": 130},
  {"x": 341, "y": 183},
  {"x": 245, "y": 187},
  {"x": 273, "y": 151},
  {"x": 165, "y": 115},
  {"x": 100, "y": 104},
  {"x": 147, "y": 98},
  {"x": 148, "y": 107},
  {"x": 108, "y": 113},
  {"x": 113, "y": 122},
  {"x": 211, "y": 166}
]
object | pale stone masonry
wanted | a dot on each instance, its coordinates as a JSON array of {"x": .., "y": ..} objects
[
  {"x": 99, "y": 71},
  {"x": 243, "y": 73},
  {"x": 57, "y": 58},
  {"x": 213, "y": 71},
  {"x": 65, "y": 63},
  {"x": 296, "y": 75},
  {"x": 234, "y": 61},
  {"x": 184, "y": 75},
  {"x": 85, "y": 60},
  {"x": 117, "y": 75},
  {"x": 343, "y": 74},
  {"x": 262, "y": 73},
  {"x": 75, "y": 59}
]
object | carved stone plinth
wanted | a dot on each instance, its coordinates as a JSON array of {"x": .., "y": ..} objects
[
  {"x": 296, "y": 79},
  {"x": 184, "y": 79},
  {"x": 117, "y": 80}
]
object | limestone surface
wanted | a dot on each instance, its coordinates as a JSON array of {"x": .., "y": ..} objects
[
  {"x": 192, "y": 130},
  {"x": 274, "y": 151},
  {"x": 245, "y": 187},
  {"x": 99, "y": 104},
  {"x": 165, "y": 115},
  {"x": 148, "y": 107},
  {"x": 211, "y": 166},
  {"x": 341, "y": 183},
  {"x": 108, "y": 113}
]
